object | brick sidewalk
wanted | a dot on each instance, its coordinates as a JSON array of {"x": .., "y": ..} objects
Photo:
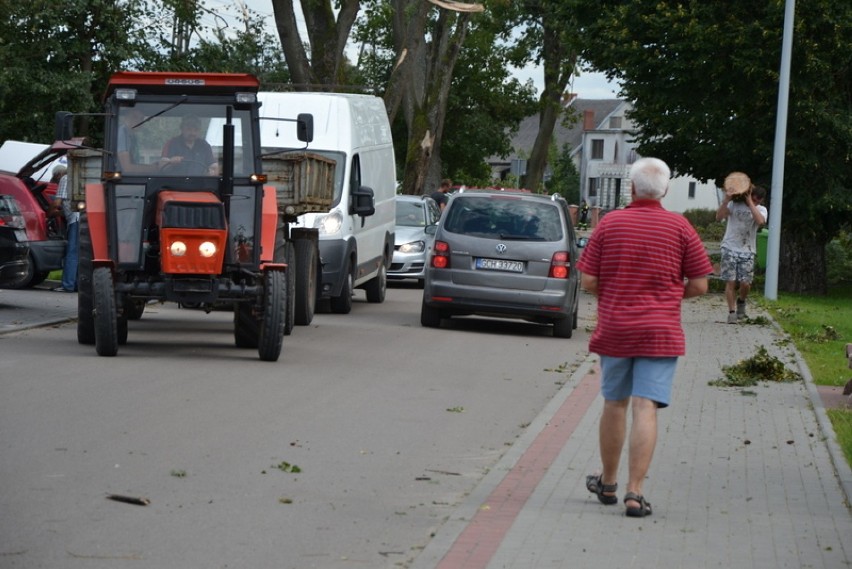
[{"x": 740, "y": 478}]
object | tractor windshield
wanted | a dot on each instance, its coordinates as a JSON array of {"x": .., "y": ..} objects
[{"x": 180, "y": 140}]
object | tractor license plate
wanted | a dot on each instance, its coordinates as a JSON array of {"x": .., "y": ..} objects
[{"x": 499, "y": 265}]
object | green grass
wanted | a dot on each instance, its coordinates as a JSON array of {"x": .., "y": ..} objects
[{"x": 820, "y": 327}]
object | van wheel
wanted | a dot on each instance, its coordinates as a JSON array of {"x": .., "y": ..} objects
[
  {"x": 306, "y": 281},
  {"x": 85, "y": 306},
  {"x": 563, "y": 328},
  {"x": 429, "y": 317},
  {"x": 343, "y": 304},
  {"x": 377, "y": 286}
]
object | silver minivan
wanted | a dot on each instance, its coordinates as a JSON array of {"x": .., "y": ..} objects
[{"x": 504, "y": 253}]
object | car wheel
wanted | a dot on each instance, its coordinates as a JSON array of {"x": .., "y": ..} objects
[
  {"x": 429, "y": 317},
  {"x": 377, "y": 287},
  {"x": 563, "y": 328}
]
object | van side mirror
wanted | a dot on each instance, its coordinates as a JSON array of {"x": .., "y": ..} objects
[
  {"x": 363, "y": 201},
  {"x": 582, "y": 242},
  {"x": 305, "y": 127},
  {"x": 431, "y": 229},
  {"x": 64, "y": 126}
]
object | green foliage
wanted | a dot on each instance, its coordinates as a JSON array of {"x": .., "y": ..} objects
[
  {"x": 565, "y": 179},
  {"x": 821, "y": 326},
  {"x": 838, "y": 256},
  {"x": 704, "y": 222},
  {"x": 704, "y": 80},
  {"x": 841, "y": 420}
]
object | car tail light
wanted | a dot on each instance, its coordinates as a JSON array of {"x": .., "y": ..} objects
[
  {"x": 441, "y": 255},
  {"x": 12, "y": 220},
  {"x": 560, "y": 265}
]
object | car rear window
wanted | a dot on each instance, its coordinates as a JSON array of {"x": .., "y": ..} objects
[{"x": 499, "y": 217}]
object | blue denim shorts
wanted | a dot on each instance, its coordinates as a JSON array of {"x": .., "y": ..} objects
[{"x": 650, "y": 378}]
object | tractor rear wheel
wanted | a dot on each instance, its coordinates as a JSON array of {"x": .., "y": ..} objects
[
  {"x": 274, "y": 315},
  {"x": 105, "y": 314},
  {"x": 85, "y": 307},
  {"x": 246, "y": 326}
]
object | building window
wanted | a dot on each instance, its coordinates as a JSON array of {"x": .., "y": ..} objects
[
  {"x": 597, "y": 149},
  {"x": 692, "y": 190},
  {"x": 614, "y": 122},
  {"x": 594, "y": 183}
]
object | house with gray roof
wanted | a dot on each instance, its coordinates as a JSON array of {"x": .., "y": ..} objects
[{"x": 601, "y": 136}]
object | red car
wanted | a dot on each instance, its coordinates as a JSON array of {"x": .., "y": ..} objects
[{"x": 45, "y": 235}]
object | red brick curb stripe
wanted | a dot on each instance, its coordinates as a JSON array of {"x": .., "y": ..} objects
[{"x": 479, "y": 541}]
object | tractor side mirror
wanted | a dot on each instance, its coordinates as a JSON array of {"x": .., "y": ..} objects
[
  {"x": 305, "y": 127},
  {"x": 64, "y": 126}
]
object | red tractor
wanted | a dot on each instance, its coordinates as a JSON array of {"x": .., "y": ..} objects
[{"x": 174, "y": 208}]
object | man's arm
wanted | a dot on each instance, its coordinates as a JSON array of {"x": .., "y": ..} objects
[
  {"x": 695, "y": 287},
  {"x": 723, "y": 211},
  {"x": 589, "y": 283},
  {"x": 755, "y": 212}
]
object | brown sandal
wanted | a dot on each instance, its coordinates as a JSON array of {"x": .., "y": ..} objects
[
  {"x": 596, "y": 486},
  {"x": 644, "y": 508}
]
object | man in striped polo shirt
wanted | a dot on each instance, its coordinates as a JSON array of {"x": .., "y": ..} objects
[{"x": 641, "y": 262}]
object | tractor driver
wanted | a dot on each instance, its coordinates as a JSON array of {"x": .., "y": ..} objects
[{"x": 188, "y": 153}]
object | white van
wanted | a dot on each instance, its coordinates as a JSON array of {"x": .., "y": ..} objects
[{"x": 356, "y": 236}]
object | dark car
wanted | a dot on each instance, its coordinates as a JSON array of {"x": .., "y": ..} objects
[
  {"x": 504, "y": 253},
  {"x": 14, "y": 247}
]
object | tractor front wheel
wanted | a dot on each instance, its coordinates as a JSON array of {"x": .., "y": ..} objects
[
  {"x": 274, "y": 315},
  {"x": 106, "y": 316}
]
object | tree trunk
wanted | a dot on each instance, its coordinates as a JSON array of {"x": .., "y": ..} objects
[
  {"x": 324, "y": 70},
  {"x": 559, "y": 63},
  {"x": 801, "y": 267},
  {"x": 420, "y": 85}
]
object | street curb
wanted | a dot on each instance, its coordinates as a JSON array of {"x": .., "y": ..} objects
[
  {"x": 842, "y": 468},
  {"x": 448, "y": 533}
]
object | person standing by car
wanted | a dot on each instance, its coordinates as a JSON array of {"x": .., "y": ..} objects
[
  {"x": 639, "y": 336},
  {"x": 440, "y": 196},
  {"x": 62, "y": 203},
  {"x": 745, "y": 215}
]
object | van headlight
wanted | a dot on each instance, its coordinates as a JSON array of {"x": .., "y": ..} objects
[{"x": 329, "y": 224}]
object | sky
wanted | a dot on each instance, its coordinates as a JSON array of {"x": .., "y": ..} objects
[{"x": 587, "y": 85}]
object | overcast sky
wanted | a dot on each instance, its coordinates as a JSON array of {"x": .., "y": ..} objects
[{"x": 587, "y": 85}]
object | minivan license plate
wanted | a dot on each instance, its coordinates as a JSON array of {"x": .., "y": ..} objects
[{"x": 500, "y": 265}]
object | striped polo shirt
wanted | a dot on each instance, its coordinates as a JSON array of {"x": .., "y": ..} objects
[{"x": 641, "y": 256}]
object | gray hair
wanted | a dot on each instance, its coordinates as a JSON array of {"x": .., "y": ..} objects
[
  {"x": 59, "y": 170},
  {"x": 650, "y": 178}
]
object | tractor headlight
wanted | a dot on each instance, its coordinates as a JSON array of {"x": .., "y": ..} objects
[
  {"x": 207, "y": 249},
  {"x": 178, "y": 248}
]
